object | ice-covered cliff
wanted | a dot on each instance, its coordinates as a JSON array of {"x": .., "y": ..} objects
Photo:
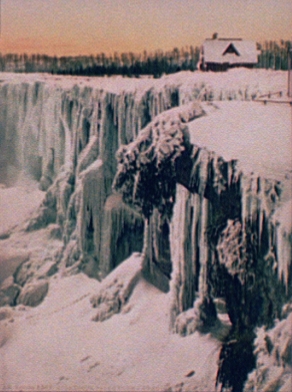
[
  {"x": 54, "y": 129},
  {"x": 210, "y": 228},
  {"x": 65, "y": 136},
  {"x": 218, "y": 205},
  {"x": 223, "y": 227}
]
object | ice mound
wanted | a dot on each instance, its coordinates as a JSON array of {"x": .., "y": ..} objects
[{"x": 116, "y": 289}]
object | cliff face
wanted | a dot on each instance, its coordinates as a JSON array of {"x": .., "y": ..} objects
[{"x": 207, "y": 229}]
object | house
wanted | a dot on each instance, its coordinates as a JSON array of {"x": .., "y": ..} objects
[{"x": 219, "y": 54}]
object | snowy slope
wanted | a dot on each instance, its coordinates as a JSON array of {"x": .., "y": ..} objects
[{"x": 57, "y": 347}]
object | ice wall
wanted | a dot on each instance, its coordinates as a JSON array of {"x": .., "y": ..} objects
[
  {"x": 229, "y": 241},
  {"x": 65, "y": 135}
]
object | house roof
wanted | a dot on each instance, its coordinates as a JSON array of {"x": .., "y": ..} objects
[{"x": 230, "y": 51}]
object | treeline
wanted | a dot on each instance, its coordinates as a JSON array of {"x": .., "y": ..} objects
[
  {"x": 273, "y": 55},
  {"x": 126, "y": 64}
]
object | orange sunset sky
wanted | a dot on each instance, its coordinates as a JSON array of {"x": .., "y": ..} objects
[{"x": 72, "y": 27}]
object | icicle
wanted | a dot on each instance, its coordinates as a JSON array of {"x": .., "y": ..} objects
[
  {"x": 283, "y": 243},
  {"x": 229, "y": 173},
  {"x": 177, "y": 238},
  {"x": 203, "y": 249},
  {"x": 199, "y": 176}
]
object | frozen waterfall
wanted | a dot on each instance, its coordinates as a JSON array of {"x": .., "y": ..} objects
[{"x": 124, "y": 170}]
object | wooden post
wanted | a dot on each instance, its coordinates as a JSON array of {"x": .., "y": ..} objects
[{"x": 289, "y": 73}]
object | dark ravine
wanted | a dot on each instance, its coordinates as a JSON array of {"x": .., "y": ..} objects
[{"x": 206, "y": 229}]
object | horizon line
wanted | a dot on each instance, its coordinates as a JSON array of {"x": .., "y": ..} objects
[{"x": 149, "y": 52}]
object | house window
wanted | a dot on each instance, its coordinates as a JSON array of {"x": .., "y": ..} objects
[{"x": 231, "y": 49}]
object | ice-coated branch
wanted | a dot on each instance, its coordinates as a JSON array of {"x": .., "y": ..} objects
[{"x": 146, "y": 173}]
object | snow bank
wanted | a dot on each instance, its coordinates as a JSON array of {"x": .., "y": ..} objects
[{"x": 65, "y": 350}]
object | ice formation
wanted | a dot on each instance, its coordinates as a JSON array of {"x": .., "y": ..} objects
[
  {"x": 210, "y": 229},
  {"x": 116, "y": 288},
  {"x": 273, "y": 348}
]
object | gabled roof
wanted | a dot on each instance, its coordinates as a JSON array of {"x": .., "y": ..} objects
[{"x": 231, "y": 51}]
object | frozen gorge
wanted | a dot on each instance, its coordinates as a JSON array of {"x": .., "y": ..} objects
[{"x": 182, "y": 184}]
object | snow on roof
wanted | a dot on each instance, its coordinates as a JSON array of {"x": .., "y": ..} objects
[{"x": 215, "y": 51}]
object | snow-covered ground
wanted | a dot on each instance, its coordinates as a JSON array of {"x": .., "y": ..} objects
[
  {"x": 57, "y": 346},
  {"x": 258, "y": 135},
  {"x": 17, "y": 203},
  {"x": 234, "y": 81}
]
